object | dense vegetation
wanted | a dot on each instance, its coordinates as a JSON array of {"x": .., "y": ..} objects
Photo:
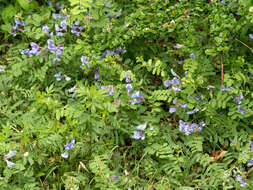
[{"x": 121, "y": 94}]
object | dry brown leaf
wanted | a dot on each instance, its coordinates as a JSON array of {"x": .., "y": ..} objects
[{"x": 216, "y": 155}]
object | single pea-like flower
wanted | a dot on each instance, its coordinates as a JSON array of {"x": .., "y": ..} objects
[
  {"x": 68, "y": 147},
  {"x": 240, "y": 109},
  {"x": 183, "y": 105},
  {"x": 251, "y": 145},
  {"x": 142, "y": 127},
  {"x": 138, "y": 135},
  {"x": 192, "y": 111},
  {"x": 251, "y": 36},
  {"x": 58, "y": 76},
  {"x": 96, "y": 76},
  {"x": 45, "y": 28},
  {"x": 192, "y": 56},
  {"x": 226, "y": 89},
  {"x": 113, "y": 178},
  {"x": 117, "y": 102},
  {"x": 176, "y": 89},
  {"x": 238, "y": 99},
  {"x": 109, "y": 89},
  {"x": 172, "y": 110},
  {"x": 178, "y": 46},
  {"x": 180, "y": 62},
  {"x": 128, "y": 88},
  {"x": 167, "y": 83},
  {"x": 137, "y": 97},
  {"x": 250, "y": 162},
  {"x": 1, "y": 68},
  {"x": 9, "y": 163}
]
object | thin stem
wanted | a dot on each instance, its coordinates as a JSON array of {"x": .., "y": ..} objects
[
  {"x": 244, "y": 44},
  {"x": 222, "y": 71}
]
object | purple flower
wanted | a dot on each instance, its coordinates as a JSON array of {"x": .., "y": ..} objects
[
  {"x": 10, "y": 154},
  {"x": 96, "y": 76},
  {"x": 45, "y": 28},
  {"x": 239, "y": 98},
  {"x": 35, "y": 49},
  {"x": 241, "y": 181},
  {"x": 70, "y": 145},
  {"x": 226, "y": 89},
  {"x": 172, "y": 110},
  {"x": 83, "y": 59},
  {"x": 251, "y": 36},
  {"x": 137, "y": 97},
  {"x": 57, "y": 16},
  {"x": 183, "y": 105},
  {"x": 175, "y": 81},
  {"x": 109, "y": 88},
  {"x": 250, "y": 162},
  {"x": 180, "y": 62},
  {"x": 192, "y": 56},
  {"x": 138, "y": 135},
  {"x": 195, "y": 98},
  {"x": 113, "y": 178},
  {"x": 178, "y": 46},
  {"x": 120, "y": 50},
  {"x": 19, "y": 22},
  {"x": 188, "y": 128},
  {"x": 117, "y": 102},
  {"x": 1, "y": 68},
  {"x": 128, "y": 88},
  {"x": 128, "y": 80},
  {"x": 141, "y": 127},
  {"x": 251, "y": 145},
  {"x": 240, "y": 109},
  {"x": 176, "y": 89},
  {"x": 174, "y": 102},
  {"x": 167, "y": 83},
  {"x": 65, "y": 154},
  {"x": 25, "y": 51},
  {"x": 192, "y": 111},
  {"x": 58, "y": 76}
]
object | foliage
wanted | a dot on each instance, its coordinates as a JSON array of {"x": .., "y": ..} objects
[{"x": 126, "y": 94}]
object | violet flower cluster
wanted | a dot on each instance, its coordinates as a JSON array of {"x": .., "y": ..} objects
[
  {"x": 76, "y": 28},
  {"x": 36, "y": 50},
  {"x": 136, "y": 97},
  {"x": 109, "y": 89},
  {"x": 58, "y": 77},
  {"x": 188, "y": 128},
  {"x": 238, "y": 100},
  {"x": 118, "y": 51},
  {"x": 67, "y": 148},
  {"x": 16, "y": 27},
  {"x": 140, "y": 133},
  {"x": 55, "y": 49},
  {"x": 175, "y": 82},
  {"x": 241, "y": 181}
]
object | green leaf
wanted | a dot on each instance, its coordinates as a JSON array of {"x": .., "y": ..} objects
[{"x": 24, "y": 4}]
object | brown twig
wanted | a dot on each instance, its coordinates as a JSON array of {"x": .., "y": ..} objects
[
  {"x": 244, "y": 44},
  {"x": 222, "y": 71}
]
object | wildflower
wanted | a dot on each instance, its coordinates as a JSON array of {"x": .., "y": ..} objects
[
  {"x": 240, "y": 109},
  {"x": 180, "y": 62},
  {"x": 67, "y": 78},
  {"x": 251, "y": 36},
  {"x": 188, "y": 128},
  {"x": 96, "y": 76},
  {"x": 1, "y": 68},
  {"x": 128, "y": 88},
  {"x": 138, "y": 135},
  {"x": 167, "y": 83},
  {"x": 192, "y": 56},
  {"x": 45, "y": 28},
  {"x": 117, "y": 102},
  {"x": 137, "y": 97},
  {"x": 226, "y": 89},
  {"x": 59, "y": 6},
  {"x": 239, "y": 98},
  {"x": 176, "y": 89},
  {"x": 178, "y": 46},
  {"x": 250, "y": 162},
  {"x": 241, "y": 181},
  {"x": 192, "y": 111},
  {"x": 183, "y": 105},
  {"x": 9, "y": 163},
  {"x": 68, "y": 147},
  {"x": 83, "y": 60},
  {"x": 58, "y": 76},
  {"x": 172, "y": 110},
  {"x": 26, "y": 154},
  {"x": 57, "y": 16},
  {"x": 141, "y": 127},
  {"x": 35, "y": 49},
  {"x": 195, "y": 98},
  {"x": 71, "y": 90},
  {"x": 113, "y": 178},
  {"x": 10, "y": 154},
  {"x": 251, "y": 145},
  {"x": 109, "y": 88}
]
